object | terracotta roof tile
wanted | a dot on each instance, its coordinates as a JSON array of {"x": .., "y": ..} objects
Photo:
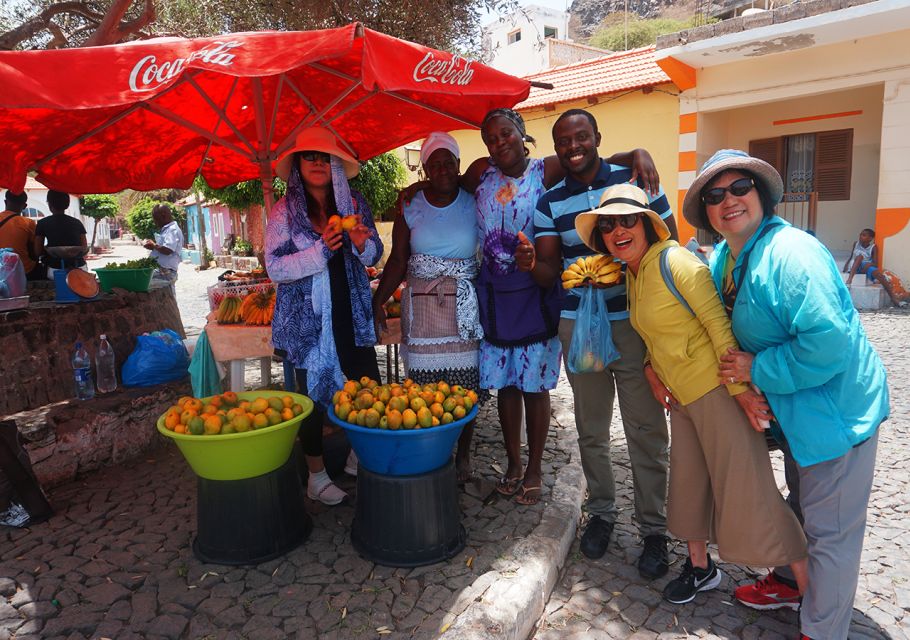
[{"x": 612, "y": 73}]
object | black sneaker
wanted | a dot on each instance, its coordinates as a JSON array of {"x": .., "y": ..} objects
[
  {"x": 654, "y": 562},
  {"x": 596, "y": 537},
  {"x": 692, "y": 580}
]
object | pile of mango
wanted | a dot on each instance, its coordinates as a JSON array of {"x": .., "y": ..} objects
[
  {"x": 227, "y": 413},
  {"x": 408, "y": 405}
]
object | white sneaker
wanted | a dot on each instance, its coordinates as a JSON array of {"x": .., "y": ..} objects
[
  {"x": 350, "y": 467},
  {"x": 329, "y": 494}
]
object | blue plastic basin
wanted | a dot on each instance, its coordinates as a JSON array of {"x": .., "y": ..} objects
[{"x": 405, "y": 452}]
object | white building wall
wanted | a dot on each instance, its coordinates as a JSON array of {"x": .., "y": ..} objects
[{"x": 530, "y": 53}]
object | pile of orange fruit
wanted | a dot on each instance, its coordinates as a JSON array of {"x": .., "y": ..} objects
[
  {"x": 408, "y": 405},
  {"x": 228, "y": 414}
]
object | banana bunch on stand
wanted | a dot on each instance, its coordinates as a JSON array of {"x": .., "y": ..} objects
[
  {"x": 592, "y": 270},
  {"x": 258, "y": 307},
  {"x": 229, "y": 311}
]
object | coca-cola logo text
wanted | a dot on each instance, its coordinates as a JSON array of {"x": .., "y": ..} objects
[
  {"x": 456, "y": 71},
  {"x": 149, "y": 74}
]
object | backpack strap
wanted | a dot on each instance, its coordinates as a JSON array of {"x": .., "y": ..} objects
[{"x": 668, "y": 278}]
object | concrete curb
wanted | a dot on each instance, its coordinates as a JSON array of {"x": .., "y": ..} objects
[{"x": 506, "y": 602}]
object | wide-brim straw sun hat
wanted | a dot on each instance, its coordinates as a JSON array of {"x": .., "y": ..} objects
[
  {"x": 726, "y": 160},
  {"x": 317, "y": 139},
  {"x": 619, "y": 200}
]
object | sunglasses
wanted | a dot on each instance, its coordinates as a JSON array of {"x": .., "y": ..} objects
[
  {"x": 606, "y": 224},
  {"x": 313, "y": 156},
  {"x": 716, "y": 195}
]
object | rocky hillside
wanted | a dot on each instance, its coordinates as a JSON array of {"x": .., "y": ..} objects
[{"x": 586, "y": 15}]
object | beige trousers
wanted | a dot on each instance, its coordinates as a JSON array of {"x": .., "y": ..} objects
[{"x": 722, "y": 488}]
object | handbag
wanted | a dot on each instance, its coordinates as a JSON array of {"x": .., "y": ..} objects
[{"x": 515, "y": 310}]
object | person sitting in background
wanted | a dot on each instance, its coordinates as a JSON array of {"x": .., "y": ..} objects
[
  {"x": 434, "y": 245},
  {"x": 864, "y": 259},
  {"x": 166, "y": 246},
  {"x": 18, "y": 233},
  {"x": 59, "y": 230}
]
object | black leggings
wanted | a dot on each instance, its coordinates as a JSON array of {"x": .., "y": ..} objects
[{"x": 355, "y": 361}]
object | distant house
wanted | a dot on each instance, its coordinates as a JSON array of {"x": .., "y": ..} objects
[
  {"x": 37, "y": 208},
  {"x": 518, "y": 42},
  {"x": 819, "y": 89},
  {"x": 218, "y": 226}
]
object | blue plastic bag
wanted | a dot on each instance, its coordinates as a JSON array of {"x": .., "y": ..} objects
[
  {"x": 159, "y": 356},
  {"x": 592, "y": 348}
]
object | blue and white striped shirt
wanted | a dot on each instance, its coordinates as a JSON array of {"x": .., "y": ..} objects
[{"x": 555, "y": 216}]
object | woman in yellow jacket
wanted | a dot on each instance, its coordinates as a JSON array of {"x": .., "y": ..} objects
[{"x": 721, "y": 484}]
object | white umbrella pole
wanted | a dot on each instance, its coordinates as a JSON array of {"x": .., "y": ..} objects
[{"x": 268, "y": 198}]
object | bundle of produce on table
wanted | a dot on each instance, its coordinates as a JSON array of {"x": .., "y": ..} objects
[
  {"x": 226, "y": 413},
  {"x": 256, "y": 309},
  {"x": 395, "y": 406},
  {"x": 139, "y": 263},
  {"x": 592, "y": 270},
  {"x": 235, "y": 276}
]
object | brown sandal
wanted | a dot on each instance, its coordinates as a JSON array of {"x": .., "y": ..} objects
[
  {"x": 529, "y": 496},
  {"x": 508, "y": 486}
]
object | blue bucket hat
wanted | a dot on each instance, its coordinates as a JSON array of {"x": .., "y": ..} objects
[{"x": 725, "y": 160}]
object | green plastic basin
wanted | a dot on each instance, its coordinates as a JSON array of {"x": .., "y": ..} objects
[
  {"x": 235, "y": 456},
  {"x": 129, "y": 279}
]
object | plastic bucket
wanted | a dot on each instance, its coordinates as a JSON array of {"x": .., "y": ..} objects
[
  {"x": 404, "y": 452},
  {"x": 408, "y": 521},
  {"x": 235, "y": 456},
  {"x": 130, "y": 279},
  {"x": 253, "y": 520}
]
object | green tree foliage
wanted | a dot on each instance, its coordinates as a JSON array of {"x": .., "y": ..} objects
[
  {"x": 45, "y": 24},
  {"x": 240, "y": 196},
  {"x": 379, "y": 181},
  {"x": 99, "y": 207},
  {"x": 140, "y": 221},
  {"x": 641, "y": 32}
]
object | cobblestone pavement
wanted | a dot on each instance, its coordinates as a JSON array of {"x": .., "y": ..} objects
[
  {"x": 116, "y": 562},
  {"x": 606, "y": 599}
]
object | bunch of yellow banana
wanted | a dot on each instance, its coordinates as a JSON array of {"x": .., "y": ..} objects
[
  {"x": 258, "y": 307},
  {"x": 229, "y": 311},
  {"x": 591, "y": 270}
]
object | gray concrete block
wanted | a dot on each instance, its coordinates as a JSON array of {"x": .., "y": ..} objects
[
  {"x": 701, "y": 33},
  {"x": 758, "y": 20},
  {"x": 733, "y": 25},
  {"x": 793, "y": 11}
]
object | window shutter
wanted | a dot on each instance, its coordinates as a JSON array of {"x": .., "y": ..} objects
[
  {"x": 833, "y": 164},
  {"x": 771, "y": 150}
]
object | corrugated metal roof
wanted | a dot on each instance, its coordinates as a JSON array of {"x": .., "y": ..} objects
[{"x": 613, "y": 73}]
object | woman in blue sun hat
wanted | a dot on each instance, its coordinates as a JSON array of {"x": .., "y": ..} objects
[{"x": 802, "y": 345}]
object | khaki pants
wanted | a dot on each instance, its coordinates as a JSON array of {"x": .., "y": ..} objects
[
  {"x": 642, "y": 420},
  {"x": 722, "y": 487}
]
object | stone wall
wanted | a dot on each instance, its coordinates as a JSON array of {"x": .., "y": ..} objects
[
  {"x": 37, "y": 343},
  {"x": 71, "y": 438}
]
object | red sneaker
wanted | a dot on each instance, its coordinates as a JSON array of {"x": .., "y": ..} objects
[{"x": 768, "y": 593}]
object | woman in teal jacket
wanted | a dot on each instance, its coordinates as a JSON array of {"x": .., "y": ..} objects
[{"x": 802, "y": 345}]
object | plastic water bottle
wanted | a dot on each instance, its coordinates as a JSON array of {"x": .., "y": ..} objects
[
  {"x": 105, "y": 366},
  {"x": 82, "y": 372}
]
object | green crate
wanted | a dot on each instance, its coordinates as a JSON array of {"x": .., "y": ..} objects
[{"x": 129, "y": 279}]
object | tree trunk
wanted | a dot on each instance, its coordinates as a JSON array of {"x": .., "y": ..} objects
[
  {"x": 91, "y": 246},
  {"x": 200, "y": 225}
]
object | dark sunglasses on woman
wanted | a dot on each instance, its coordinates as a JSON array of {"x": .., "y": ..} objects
[
  {"x": 606, "y": 224},
  {"x": 313, "y": 156},
  {"x": 716, "y": 195}
]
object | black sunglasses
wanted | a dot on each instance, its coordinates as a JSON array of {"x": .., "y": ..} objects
[
  {"x": 313, "y": 156},
  {"x": 716, "y": 195},
  {"x": 606, "y": 224}
]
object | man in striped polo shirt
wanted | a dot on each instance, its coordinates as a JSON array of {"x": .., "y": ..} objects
[{"x": 556, "y": 246}]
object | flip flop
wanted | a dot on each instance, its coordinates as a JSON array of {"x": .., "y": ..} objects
[
  {"x": 508, "y": 486},
  {"x": 526, "y": 499}
]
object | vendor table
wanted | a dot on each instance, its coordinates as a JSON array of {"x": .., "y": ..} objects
[{"x": 236, "y": 343}]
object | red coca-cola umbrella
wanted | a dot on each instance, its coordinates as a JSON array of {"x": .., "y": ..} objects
[{"x": 156, "y": 113}]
